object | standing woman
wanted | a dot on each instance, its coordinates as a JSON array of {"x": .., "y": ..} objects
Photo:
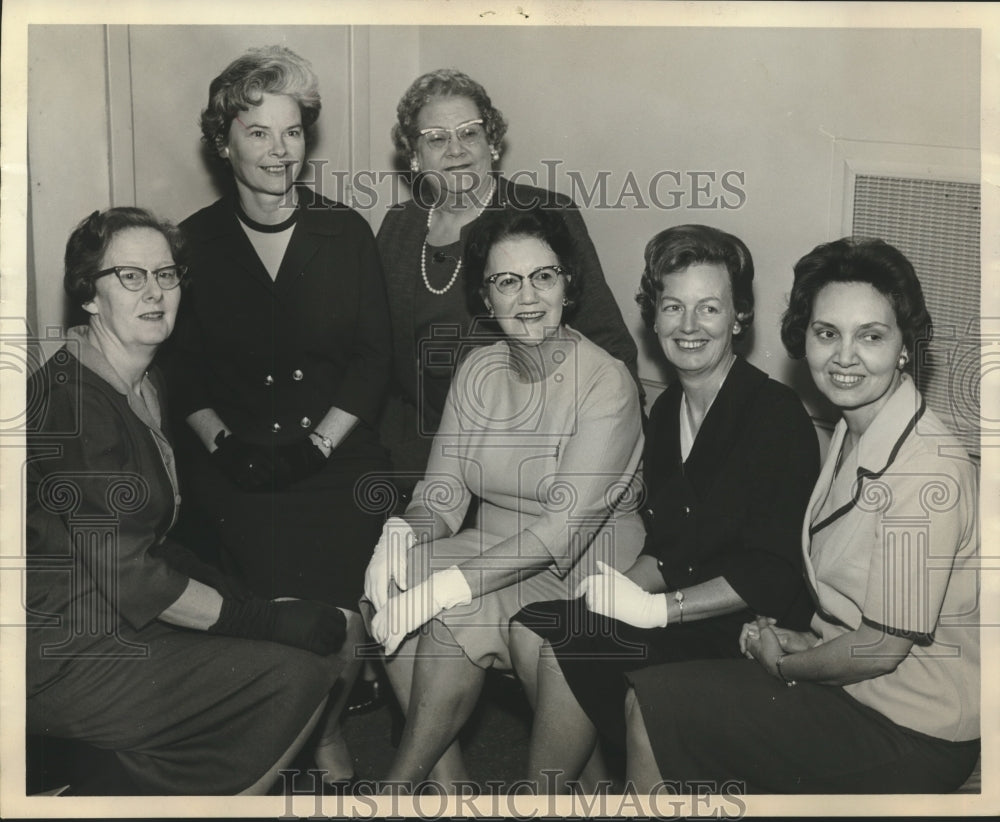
[
  {"x": 451, "y": 135},
  {"x": 283, "y": 348},
  {"x": 882, "y": 694}
]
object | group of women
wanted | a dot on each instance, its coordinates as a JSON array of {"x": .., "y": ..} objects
[{"x": 658, "y": 592}]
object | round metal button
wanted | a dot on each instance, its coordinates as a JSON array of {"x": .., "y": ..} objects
[
  {"x": 305, "y": 422},
  {"x": 687, "y": 510},
  {"x": 690, "y": 569},
  {"x": 268, "y": 380},
  {"x": 276, "y": 427},
  {"x": 297, "y": 375}
]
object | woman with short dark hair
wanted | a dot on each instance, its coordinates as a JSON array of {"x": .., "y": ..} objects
[
  {"x": 543, "y": 429},
  {"x": 135, "y": 646},
  {"x": 881, "y": 694},
  {"x": 729, "y": 458}
]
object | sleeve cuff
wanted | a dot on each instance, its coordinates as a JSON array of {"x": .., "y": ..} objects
[{"x": 918, "y": 637}]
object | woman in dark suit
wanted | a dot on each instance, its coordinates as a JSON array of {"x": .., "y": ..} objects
[
  {"x": 283, "y": 351},
  {"x": 133, "y": 645},
  {"x": 728, "y": 462}
]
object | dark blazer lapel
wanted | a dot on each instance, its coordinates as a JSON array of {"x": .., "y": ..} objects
[
  {"x": 307, "y": 239},
  {"x": 722, "y": 425},
  {"x": 225, "y": 226}
]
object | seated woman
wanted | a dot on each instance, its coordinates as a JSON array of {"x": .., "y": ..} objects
[
  {"x": 543, "y": 427},
  {"x": 886, "y": 696},
  {"x": 133, "y": 645},
  {"x": 729, "y": 459}
]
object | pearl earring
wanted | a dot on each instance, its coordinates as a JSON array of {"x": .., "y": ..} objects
[
  {"x": 903, "y": 360},
  {"x": 494, "y": 153},
  {"x": 737, "y": 328},
  {"x": 414, "y": 165},
  {"x": 565, "y": 301}
]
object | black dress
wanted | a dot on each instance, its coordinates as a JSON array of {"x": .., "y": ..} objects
[
  {"x": 271, "y": 357},
  {"x": 733, "y": 509}
]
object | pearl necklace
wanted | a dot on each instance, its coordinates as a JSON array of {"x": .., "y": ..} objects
[{"x": 423, "y": 251}]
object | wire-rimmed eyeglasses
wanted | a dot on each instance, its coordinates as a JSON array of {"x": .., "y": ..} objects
[
  {"x": 542, "y": 279},
  {"x": 468, "y": 133},
  {"x": 134, "y": 278}
]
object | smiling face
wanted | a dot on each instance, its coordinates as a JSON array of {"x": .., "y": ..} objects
[
  {"x": 530, "y": 315},
  {"x": 853, "y": 347},
  {"x": 694, "y": 320},
  {"x": 266, "y": 147},
  {"x": 459, "y": 166},
  {"x": 145, "y": 317}
]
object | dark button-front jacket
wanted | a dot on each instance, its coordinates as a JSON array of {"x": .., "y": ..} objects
[
  {"x": 735, "y": 507},
  {"x": 400, "y": 240},
  {"x": 272, "y": 356}
]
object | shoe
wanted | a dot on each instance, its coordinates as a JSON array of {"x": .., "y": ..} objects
[{"x": 365, "y": 696}]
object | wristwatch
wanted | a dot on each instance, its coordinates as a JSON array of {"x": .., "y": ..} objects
[
  {"x": 679, "y": 599},
  {"x": 326, "y": 442}
]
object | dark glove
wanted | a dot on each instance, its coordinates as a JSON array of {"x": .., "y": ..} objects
[
  {"x": 248, "y": 466},
  {"x": 296, "y": 462},
  {"x": 182, "y": 559},
  {"x": 301, "y": 623}
]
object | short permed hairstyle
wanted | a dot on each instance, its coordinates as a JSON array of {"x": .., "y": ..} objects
[
  {"x": 494, "y": 225},
  {"x": 679, "y": 247},
  {"x": 240, "y": 86},
  {"x": 882, "y": 266},
  {"x": 89, "y": 243},
  {"x": 443, "y": 83}
]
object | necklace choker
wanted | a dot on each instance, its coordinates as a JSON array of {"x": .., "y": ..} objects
[{"x": 423, "y": 250}]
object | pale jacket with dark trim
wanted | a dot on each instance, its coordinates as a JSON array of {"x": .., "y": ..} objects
[{"x": 896, "y": 548}]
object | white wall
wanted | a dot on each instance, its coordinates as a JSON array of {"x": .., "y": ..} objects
[{"x": 765, "y": 102}]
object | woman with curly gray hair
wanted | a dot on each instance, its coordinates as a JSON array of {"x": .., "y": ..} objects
[
  {"x": 451, "y": 136},
  {"x": 282, "y": 348}
]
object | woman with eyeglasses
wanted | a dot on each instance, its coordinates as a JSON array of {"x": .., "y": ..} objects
[
  {"x": 133, "y": 644},
  {"x": 542, "y": 428},
  {"x": 282, "y": 356},
  {"x": 451, "y": 135},
  {"x": 729, "y": 459}
]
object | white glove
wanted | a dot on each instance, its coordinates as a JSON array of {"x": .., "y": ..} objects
[
  {"x": 614, "y": 595},
  {"x": 411, "y": 609},
  {"x": 388, "y": 561}
]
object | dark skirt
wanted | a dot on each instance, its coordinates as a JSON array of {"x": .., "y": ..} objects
[
  {"x": 595, "y": 653},
  {"x": 312, "y": 540},
  {"x": 198, "y": 715},
  {"x": 729, "y": 726}
]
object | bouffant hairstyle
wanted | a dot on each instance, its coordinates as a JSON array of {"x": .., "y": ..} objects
[
  {"x": 849, "y": 260},
  {"x": 494, "y": 225},
  {"x": 443, "y": 83},
  {"x": 89, "y": 243},
  {"x": 677, "y": 248},
  {"x": 242, "y": 84}
]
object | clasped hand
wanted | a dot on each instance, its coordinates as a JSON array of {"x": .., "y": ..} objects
[
  {"x": 254, "y": 467},
  {"x": 409, "y": 610},
  {"x": 614, "y": 595},
  {"x": 388, "y": 564},
  {"x": 764, "y": 641}
]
